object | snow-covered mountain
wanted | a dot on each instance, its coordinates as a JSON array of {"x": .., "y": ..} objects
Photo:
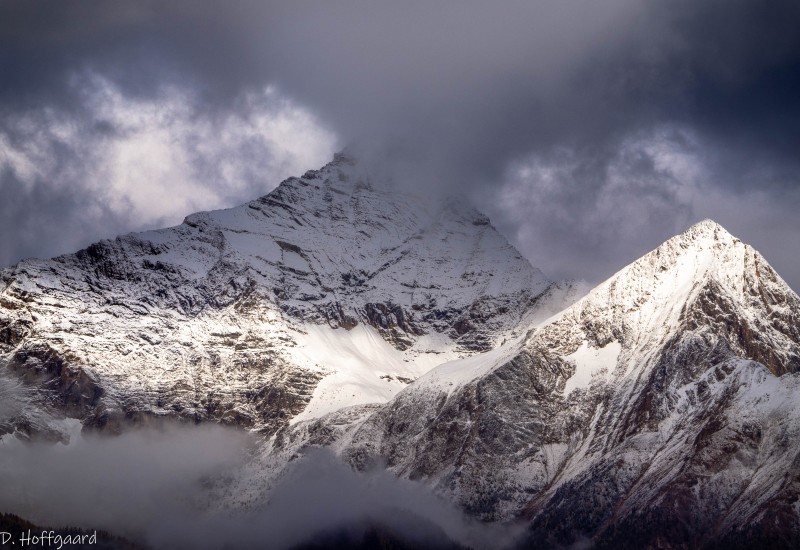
[
  {"x": 331, "y": 290},
  {"x": 660, "y": 409}
]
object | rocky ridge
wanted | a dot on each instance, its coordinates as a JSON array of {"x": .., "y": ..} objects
[{"x": 231, "y": 316}]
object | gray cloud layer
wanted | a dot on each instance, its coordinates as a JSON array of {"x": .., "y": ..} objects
[
  {"x": 589, "y": 131},
  {"x": 162, "y": 487}
]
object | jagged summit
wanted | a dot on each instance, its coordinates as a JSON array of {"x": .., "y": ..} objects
[
  {"x": 706, "y": 226},
  {"x": 682, "y": 264},
  {"x": 704, "y": 275}
]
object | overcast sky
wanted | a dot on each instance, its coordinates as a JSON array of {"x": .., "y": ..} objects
[{"x": 589, "y": 131}]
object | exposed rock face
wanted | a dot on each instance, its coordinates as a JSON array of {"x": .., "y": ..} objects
[
  {"x": 662, "y": 409},
  {"x": 230, "y": 315}
]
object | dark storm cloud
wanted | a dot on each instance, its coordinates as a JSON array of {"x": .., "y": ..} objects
[
  {"x": 42, "y": 220},
  {"x": 464, "y": 95}
]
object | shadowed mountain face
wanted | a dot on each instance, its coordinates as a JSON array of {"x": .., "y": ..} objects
[{"x": 662, "y": 409}]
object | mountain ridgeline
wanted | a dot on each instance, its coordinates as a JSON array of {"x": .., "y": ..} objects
[{"x": 661, "y": 409}]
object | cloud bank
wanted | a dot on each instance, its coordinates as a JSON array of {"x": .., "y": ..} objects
[
  {"x": 122, "y": 163},
  {"x": 590, "y": 131},
  {"x": 153, "y": 486}
]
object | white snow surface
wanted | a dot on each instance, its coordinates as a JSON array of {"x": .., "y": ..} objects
[
  {"x": 364, "y": 368},
  {"x": 590, "y": 363}
]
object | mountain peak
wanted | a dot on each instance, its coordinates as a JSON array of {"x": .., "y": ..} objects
[
  {"x": 316, "y": 283},
  {"x": 707, "y": 229},
  {"x": 706, "y": 224},
  {"x": 704, "y": 265},
  {"x": 704, "y": 249}
]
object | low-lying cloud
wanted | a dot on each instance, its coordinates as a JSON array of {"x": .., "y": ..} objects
[
  {"x": 154, "y": 487},
  {"x": 127, "y": 484}
]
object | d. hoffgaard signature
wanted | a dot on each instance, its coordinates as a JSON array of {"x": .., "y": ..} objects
[{"x": 45, "y": 539}]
